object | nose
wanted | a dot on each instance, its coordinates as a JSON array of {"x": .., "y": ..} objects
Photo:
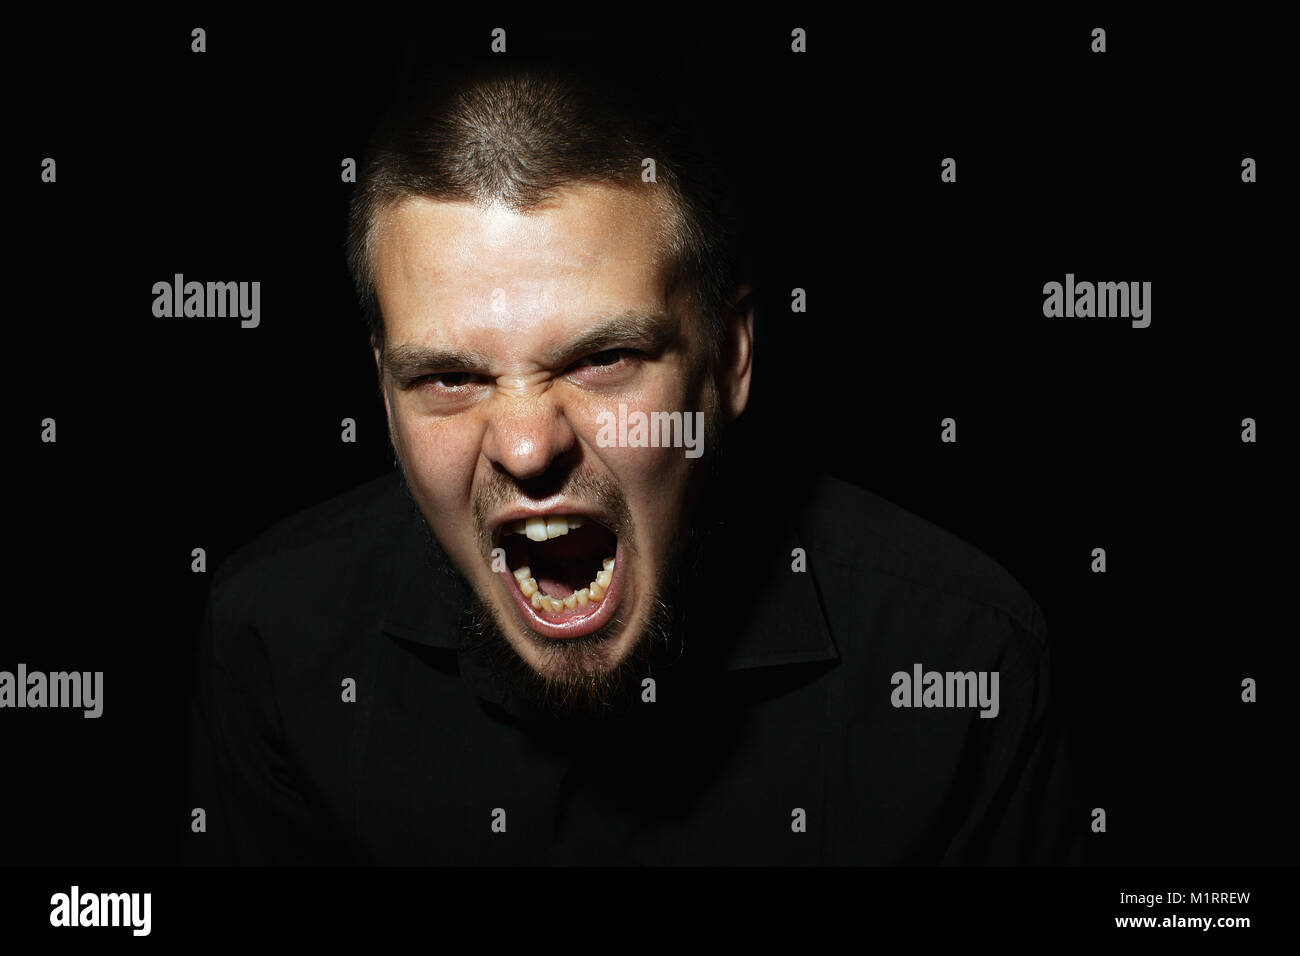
[{"x": 528, "y": 437}]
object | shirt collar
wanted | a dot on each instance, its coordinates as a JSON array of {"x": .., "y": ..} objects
[
  {"x": 780, "y": 619},
  {"x": 421, "y": 605}
]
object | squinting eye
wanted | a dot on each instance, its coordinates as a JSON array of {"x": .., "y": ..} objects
[
  {"x": 608, "y": 357},
  {"x": 445, "y": 379},
  {"x": 606, "y": 368}
]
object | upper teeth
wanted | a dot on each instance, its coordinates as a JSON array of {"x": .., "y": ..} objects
[{"x": 539, "y": 529}]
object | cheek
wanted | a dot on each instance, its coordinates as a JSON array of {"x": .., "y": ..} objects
[
  {"x": 659, "y": 473},
  {"x": 653, "y": 480},
  {"x": 646, "y": 474},
  {"x": 439, "y": 456}
]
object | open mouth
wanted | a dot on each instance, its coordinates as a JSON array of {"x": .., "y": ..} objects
[{"x": 564, "y": 572}]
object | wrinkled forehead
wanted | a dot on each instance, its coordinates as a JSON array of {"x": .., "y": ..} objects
[{"x": 455, "y": 270}]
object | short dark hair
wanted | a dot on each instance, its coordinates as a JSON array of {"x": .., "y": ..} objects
[{"x": 515, "y": 133}]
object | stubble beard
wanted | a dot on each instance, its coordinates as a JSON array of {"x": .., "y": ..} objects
[{"x": 575, "y": 681}]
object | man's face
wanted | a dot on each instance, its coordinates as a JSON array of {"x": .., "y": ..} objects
[{"x": 508, "y": 335}]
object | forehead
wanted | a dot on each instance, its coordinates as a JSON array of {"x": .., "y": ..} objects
[{"x": 444, "y": 267}]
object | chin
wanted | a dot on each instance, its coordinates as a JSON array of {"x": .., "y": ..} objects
[{"x": 591, "y": 675}]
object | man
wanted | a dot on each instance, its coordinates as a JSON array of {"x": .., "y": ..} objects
[{"x": 568, "y": 629}]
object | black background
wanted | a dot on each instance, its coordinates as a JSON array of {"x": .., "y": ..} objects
[{"x": 924, "y": 301}]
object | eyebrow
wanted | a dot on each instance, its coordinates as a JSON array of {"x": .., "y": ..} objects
[{"x": 651, "y": 332}]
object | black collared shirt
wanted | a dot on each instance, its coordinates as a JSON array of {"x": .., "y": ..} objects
[{"x": 776, "y": 738}]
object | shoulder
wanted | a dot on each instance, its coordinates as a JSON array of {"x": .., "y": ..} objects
[
  {"x": 318, "y": 554},
  {"x": 905, "y": 568}
]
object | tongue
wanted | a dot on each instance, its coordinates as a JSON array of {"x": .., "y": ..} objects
[
  {"x": 559, "y": 579},
  {"x": 553, "y": 588}
]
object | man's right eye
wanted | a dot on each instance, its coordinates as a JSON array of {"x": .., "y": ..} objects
[{"x": 444, "y": 379}]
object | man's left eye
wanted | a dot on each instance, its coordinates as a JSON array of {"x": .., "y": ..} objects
[{"x": 606, "y": 358}]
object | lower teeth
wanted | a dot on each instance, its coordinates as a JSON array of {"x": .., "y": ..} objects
[{"x": 592, "y": 593}]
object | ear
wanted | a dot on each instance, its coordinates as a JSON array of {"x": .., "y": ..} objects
[{"x": 736, "y": 361}]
